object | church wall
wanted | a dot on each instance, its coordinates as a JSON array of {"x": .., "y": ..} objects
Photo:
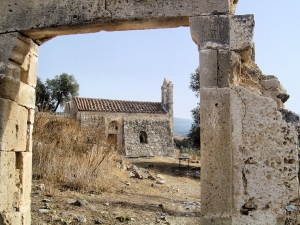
[{"x": 158, "y": 128}]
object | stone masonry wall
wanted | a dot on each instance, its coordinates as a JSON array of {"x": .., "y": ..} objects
[
  {"x": 157, "y": 126},
  {"x": 159, "y": 137},
  {"x": 18, "y": 61}
]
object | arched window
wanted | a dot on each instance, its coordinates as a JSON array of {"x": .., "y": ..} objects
[
  {"x": 143, "y": 137},
  {"x": 113, "y": 127}
]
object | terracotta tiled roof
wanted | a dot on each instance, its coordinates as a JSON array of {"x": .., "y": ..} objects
[{"x": 107, "y": 105}]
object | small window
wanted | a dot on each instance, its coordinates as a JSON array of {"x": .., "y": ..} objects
[
  {"x": 113, "y": 127},
  {"x": 143, "y": 137}
]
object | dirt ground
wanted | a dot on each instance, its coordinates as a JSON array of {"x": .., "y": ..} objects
[{"x": 131, "y": 200}]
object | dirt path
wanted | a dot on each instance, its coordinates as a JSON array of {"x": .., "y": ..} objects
[{"x": 137, "y": 201}]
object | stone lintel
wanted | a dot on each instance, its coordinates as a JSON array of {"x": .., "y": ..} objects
[{"x": 93, "y": 16}]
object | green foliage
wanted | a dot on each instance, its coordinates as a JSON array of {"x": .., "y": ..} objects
[
  {"x": 194, "y": 133},
  {"x": 55, "y": 92},
  {"x": 195, "y": 83},
  {"x": 43, "y": 100},
  {"x": 185, "y": 143}
]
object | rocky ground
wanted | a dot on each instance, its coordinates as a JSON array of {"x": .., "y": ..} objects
[{"x": 147, "y": 191}]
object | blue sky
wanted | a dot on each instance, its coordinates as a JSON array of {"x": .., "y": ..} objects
[{"x": 131, "y": 65}]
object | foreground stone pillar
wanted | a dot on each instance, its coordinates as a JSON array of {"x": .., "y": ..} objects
[
  {"x": 18, "y": 63},
  {"x": 249, "y": 152}
]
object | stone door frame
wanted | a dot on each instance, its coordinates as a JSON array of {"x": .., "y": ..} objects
[{"x": 233, "y": 173}]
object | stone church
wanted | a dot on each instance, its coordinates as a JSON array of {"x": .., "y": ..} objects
[{"x": 135, "y": 128}]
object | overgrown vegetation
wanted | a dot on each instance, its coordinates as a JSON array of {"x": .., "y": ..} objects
[{"x": 71, "y": 156}]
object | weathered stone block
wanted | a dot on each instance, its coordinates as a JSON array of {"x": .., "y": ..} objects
[
  {"x": 17, "y": 91},
  {"x": 31, "y": 116},
  {"x": 29, "y": 70},
  {"x": 29, "y": 138},
  {"x": 13, "y": 70},
  {"x": 99, "y": 15},
  {"x": 13, "y": 126},
  {"x": 208, "y": 68},
  {"x": 241, "y": 32},
  {"x": 26, "y": 96},
  {"x": 228, "y": 68},
  {"x": 24, "y": 164},
  {"x": 7, "y": 178},
  {"x": 265, "y": 157},
  {"x": 26, "y": 215},
  {"x": 10, "y": 218},
  {"x": 20, "y": 50},
  {"x": 211, "y": 32},
  {"x": 223, "y": 32},
  {"x": 216, "y": 152},
  {"x": 218, "y": 68},
  {"x": 7, "y": 43}
]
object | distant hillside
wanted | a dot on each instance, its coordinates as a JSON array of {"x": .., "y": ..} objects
[{"x": 182, "y": 126}]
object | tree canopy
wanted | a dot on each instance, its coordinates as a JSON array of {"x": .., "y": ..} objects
[
  {"x": 195, "y": 83},
  {"x": 55, "y": 92}
]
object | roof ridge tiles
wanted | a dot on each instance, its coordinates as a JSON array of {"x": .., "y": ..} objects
[{"x": 109, "y": 105}]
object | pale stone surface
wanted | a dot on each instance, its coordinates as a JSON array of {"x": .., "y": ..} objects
[
  {"x": 24, "y": 165},
  {"x": 29, "y": 138},
  {"x": 13, "y": 126},
  {"x": 265, "y": 158},
  {"x": 31, "y": 115},
  {"x": 43, "y": 19},
  {"x": 208, "y": 68},
  {"x": 219, "y": 68},
  {"x": 10, "y": 218},
  {"x": 241, "y": 32},
  {"x": 211, "y": 32},
  {"x": 216, "y": 154},
  {"x": 255, "y": 150},
  {"x": 18, "y": 69},
  {"x": 7, "y": 178},
  {"x": 223, "y": 32}
]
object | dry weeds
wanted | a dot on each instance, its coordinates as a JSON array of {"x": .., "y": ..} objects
[{"x": 72, "y": 156}]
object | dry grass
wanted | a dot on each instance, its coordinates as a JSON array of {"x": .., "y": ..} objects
[{"x": 72, "y": 156}]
